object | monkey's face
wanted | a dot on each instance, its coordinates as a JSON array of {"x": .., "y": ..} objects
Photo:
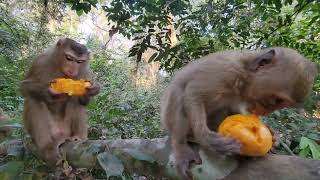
[
  {"x": 280, "y": 79},
  {"x": 268, "y": 103},
  {"x": 73, "y": 57},
  {"x": 72, "y": 65}
]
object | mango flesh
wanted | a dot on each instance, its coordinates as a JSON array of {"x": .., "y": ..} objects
[
  {"x": 70, "y": 86},
  {"x": 254, "y": 136}
]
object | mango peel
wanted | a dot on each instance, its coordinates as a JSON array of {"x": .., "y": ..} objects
[
  {"x": 70, "y": 86},
  {"x": 254, "y": 135}
]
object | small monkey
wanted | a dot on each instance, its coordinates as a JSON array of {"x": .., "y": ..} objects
[
  {"x": 50, "y": 117},
  {"x": 206, "y": 91}
]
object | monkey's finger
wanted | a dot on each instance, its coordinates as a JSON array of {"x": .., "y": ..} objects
[
  {"x": 53, "y": 92},
  {"x": 184, "y": 171},
  {"x": 228, "y": 147},
  {"x": 196, "y": 161},
  {"x": 53, "y": 81}
]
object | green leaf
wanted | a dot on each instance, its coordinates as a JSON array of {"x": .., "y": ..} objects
[
  {"x": 315, "y": 18},
  {"x": 12, "y": 168},
  {"x": 307, "y": 145},
  {"x": 304, "y": 142},
  {"x": 154, "y": 55},
  {"x": 288, "y": 2},
  {"x": 304, "y": 152},
  {"x": 139, "y": 55},
  {"x": 79, "y": 12},
  {"x": 142, "y": 156},
  {"x": 278, "y": 5},
  {"x": 110, "y": 164},
  {"x": 315, "y": 149},
  {"x": 293, "y": 125},
  {"x": 313, "y": 136}
]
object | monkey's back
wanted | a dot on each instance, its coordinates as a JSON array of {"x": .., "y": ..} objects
[{"x": 213, "y": 68}]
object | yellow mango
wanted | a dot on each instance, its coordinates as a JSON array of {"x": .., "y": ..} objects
[
  {"x": 254, "y": 135},
  {"x": 70, "y": 86}
]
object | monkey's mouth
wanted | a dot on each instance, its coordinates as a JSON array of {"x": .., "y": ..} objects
[
  {"x": 68, "y": 76},
  {"x": 261, "y": 109}
]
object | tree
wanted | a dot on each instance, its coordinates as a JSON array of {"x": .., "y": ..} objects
[{"x": 209, "y": 26}]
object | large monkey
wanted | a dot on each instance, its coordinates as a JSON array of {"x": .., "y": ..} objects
[
  {"x": 50, "y": 117},
  {"x": 208, "y": 90}
]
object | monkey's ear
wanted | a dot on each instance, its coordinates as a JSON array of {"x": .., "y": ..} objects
[
  {"x": 61, "y": 42},
  {"x": 262, "y": 60}
]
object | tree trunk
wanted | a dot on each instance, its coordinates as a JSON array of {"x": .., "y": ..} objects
[{"x": 153, "y": 157}]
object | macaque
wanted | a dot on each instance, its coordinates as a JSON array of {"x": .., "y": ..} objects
[
  {"x": 49, "y": 117},
  {"x": 206, "y": 91}
]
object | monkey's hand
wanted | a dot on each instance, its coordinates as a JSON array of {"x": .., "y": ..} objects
[
  {"x": 93, "y": 90},
  {"x": 185, "y": 159},
  {"x": 57, "y": 96},
  {"x": 224, "y": 145}
]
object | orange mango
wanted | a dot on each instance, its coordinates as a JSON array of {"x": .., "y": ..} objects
[
  {"x": 254, "y": 135},
  {"x": 70, "y": 86}
]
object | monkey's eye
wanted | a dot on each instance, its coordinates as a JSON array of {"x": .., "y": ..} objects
[
  {"x": 68, "y": 58},
  {"x": 279, "y": 101},
  {"x": 79, "y": 62}
]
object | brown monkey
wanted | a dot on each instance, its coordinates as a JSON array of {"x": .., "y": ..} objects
[
  {"x": 50, "y": 117},
  {"x": 208, "y": 90}
]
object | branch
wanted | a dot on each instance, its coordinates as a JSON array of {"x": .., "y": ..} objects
[{"x": 153, "y": 157}]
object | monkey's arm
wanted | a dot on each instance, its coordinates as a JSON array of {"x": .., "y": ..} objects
[
  {"x": 40, "y": 91},
  {"x": 91, "y": 91},
  {"x": 35, "y": 89}
]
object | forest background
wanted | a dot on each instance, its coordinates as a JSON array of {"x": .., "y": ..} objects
[{"x": 136, "y": 46}]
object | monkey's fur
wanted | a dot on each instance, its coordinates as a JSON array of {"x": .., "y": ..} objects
[
  {"x": 49, "y": 117},
  {"x": 206, "y": 91}
]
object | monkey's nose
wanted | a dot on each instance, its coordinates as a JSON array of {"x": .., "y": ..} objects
[{"x": 70, "y": 74}]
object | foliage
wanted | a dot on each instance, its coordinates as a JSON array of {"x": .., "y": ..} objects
[
  {"x": 13, "y": 35},
  {"x": 309, "y": 148},
  {"x": 123, "y": 109},
  {"x": 81, "y": 5},
  {"x": 10, "y": 76},
  {"x": 292, "y": 125},
  {"x": 214, "y": 25}
]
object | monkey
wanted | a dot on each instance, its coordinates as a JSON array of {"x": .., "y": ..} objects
[
  {"x": 207, "y": 90},
  {"x": 51, "y": 118}
]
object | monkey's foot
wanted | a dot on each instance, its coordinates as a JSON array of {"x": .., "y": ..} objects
[
  {"x": 225, "y": 146},
  {"x": 184, "y": 162}
]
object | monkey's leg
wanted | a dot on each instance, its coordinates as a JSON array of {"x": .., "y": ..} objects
[
  {"x": 40, "y": 126},
  {"x": 79, "y": 127},
  {"x": 185, "y": 156},
  {"x": 207, "y": 138},
  {"x": 176, "y": 123}
]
